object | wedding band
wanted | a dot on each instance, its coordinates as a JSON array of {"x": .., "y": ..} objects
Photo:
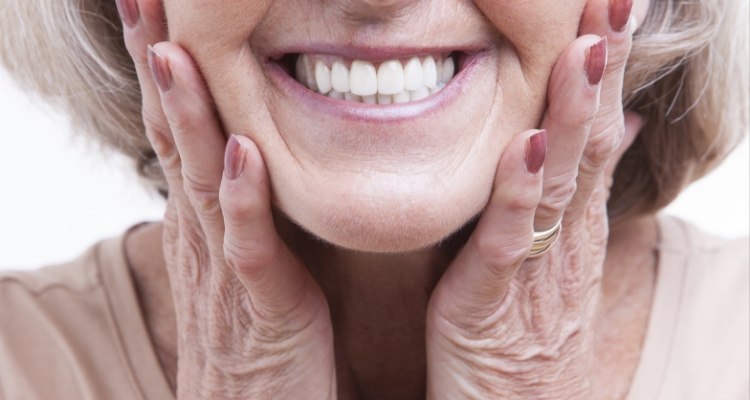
[{"x": 544, "y": 240}]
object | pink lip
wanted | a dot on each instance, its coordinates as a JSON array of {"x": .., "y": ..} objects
[
  {"x": 375, "y": 54},
  {"x": 371, "y": 112}
]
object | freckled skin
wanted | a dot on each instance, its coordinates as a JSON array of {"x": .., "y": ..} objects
[{"x": 341, "y": 180}]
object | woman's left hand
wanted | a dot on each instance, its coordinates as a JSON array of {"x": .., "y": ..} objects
[{"x": 499, "y": 325}]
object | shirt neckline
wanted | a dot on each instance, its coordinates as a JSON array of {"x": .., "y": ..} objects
[
  {"x": 130, "y": 325},
  {"x": 662, "y": 325}
]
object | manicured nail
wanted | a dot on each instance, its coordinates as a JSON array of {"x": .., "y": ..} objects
[
  {"x": 159, "y": 70},
  {"x": 234, "y": 159},
  {"x": 128, "y": 10},
  {"x": 619, "y": 14},
  {"x": 596, "y": 61},
  {"x": 536, "y": 151}
]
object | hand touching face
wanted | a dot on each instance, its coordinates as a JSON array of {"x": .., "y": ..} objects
[{"x": 378, "y": 177}]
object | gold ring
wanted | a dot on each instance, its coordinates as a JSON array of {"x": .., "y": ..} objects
[{"x": 544, "y": 240}]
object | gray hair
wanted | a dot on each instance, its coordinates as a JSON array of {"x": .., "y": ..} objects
[{"x": 687, "y": 76}]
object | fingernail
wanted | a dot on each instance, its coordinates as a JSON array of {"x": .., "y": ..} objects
[
  {"x": 596, "y": 61},
  {"x": 234, "y": 159},
  {"x": 159, "y": 70},
  {"x": 536, "y": 151},
  {"x": 128, "y": 10},
  {"x": 619, "y": 14}
]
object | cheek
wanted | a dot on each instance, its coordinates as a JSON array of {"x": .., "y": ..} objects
[
  {"x": 208, "y": 24},
  {"x": 217, "y": 38},
  {"x": 538, "y": 30}
]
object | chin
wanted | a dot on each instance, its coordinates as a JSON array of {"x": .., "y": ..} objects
[{"x": 389, "y": 223}]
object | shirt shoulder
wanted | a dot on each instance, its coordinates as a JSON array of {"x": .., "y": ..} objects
[
  {"x": 76, "y": 276},
  {"x": 702, "y": 313},
  {"x": 59, "y": 335}
]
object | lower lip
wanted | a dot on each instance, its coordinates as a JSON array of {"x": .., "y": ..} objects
[{"x": 362, "y": 112}]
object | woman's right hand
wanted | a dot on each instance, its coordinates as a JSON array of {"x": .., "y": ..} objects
[{"x": 252, "y": 323}]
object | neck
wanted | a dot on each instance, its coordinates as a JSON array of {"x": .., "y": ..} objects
[
  {"x": 378, "y": 301},
  {"x": 378, "y": 305}
]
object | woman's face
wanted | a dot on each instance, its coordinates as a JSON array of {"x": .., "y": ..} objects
[{"x": 378, "y": 177}]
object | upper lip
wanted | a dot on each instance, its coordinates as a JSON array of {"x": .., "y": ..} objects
[{"x": 375, "y": 53}]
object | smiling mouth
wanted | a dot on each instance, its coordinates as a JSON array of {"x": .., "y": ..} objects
[{"x": 394, "y": 81}]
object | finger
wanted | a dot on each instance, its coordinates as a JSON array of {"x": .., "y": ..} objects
[
  {"x": 633, "y": 124},
  {"x": 610, "y": 18},
  {"x": 280, "y": 287},
  {"x": 573, "y": 98},
  {"x": 477, "y": 280},
  {"x": 142, "y": 26},
  {"x": 196, "y": 130}
]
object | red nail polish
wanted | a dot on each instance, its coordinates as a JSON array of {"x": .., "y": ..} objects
[
  {"x": 536, "y": 151},
  {"x": 159, "y": 70},
  {"x": 619, "y": 14},
  {"x": 234, "y": 159},
  {"x": 596, "y": 61},
  {"x": 129, "y": 12}
]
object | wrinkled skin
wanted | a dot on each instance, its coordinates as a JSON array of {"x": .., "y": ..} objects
[{"x": 253, "y": 298}]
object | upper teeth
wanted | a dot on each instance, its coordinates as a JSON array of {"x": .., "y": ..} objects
[{"x": 393, "y": 81}]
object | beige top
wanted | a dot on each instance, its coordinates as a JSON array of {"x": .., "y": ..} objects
[{"x": 75, "y": 331}]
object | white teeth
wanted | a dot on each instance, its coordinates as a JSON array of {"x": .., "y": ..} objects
[
  {"x": 385, "y": 99},
  {"x": 449, "y": 69},
  {"x": 413, "y": 74},
  {"x": 429, "y": 71},
  {"x": 390, "y": 77},
  {"x": 419, "y": 94},
  {"x": 336, "y": 95},
  {"x": 438, "y": 70},
  {"x": 439, "y": 87},
  {"x": 340, "y": 77},
  {"x": 391, "y": 82},
  {"x": 323, "y": 77},
  {"x": 402, "y": 97},
  {"x": 352, "y": 97},
  {"x": 363, "y": 78},
  {"x": 305, "y": 72}
]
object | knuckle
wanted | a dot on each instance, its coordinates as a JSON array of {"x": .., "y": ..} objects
[
  {"x": 618, "y": 59},
  {"x": 601, "y": 146},
  {"x": 203, "y": 196},
  {"x": 524, "y": 203},
  {"x": 183, "y": 117},
  {"x": 248, "y": 257},
  {"x": 154, "y": 120},
  {"x": 572, "y": 119},
  {"x": 194, "y": 255},
  {"x": 170, "y": 163},
  {"x": 238, "y": 208},
  {"x": 558, "y": 192},
  {"x": 136, "y": 46},
  {"x": 500, "y": 252}
]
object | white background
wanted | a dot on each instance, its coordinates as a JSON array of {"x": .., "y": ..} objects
[{"x": 59, "y": 195}]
